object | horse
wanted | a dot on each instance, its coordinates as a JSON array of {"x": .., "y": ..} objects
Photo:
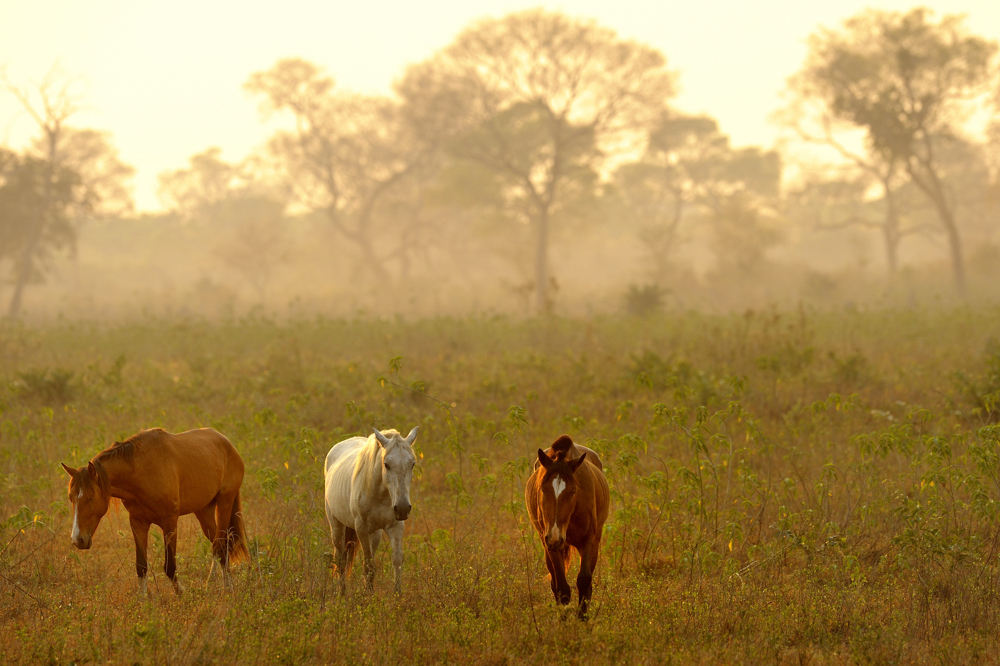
[
  {"x": 567, "y": 500},
  {"x": 159, "y": 476},
  {"x": 367, "y": 493}
]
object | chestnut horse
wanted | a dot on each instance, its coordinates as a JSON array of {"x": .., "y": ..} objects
[
  {"x": 567, "y": 500},
  {"x": 159, "y": 477}
]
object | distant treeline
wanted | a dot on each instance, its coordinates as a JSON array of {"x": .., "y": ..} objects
[{"x": 535, "y": 128}]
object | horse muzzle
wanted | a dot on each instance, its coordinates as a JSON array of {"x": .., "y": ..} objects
[
  {"x": 554, "y": 544},
  {"x": 402, "y": 511},
  {"x": 82, "y": 543}
]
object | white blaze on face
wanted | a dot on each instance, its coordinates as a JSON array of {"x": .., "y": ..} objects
[
  {"x": 554, "y": 534},
  {"x": 558, "y": 485},
  {"x": 76, "y": 512}
]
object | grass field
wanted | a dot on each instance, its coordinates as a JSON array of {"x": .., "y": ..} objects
[{"x": 802, "y": 488}]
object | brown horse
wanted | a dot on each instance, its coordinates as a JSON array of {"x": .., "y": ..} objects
[
  {"x": 159, "y": 477},
  {"x": 567, "y": 502}
]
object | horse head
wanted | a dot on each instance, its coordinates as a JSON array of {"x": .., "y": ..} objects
[
  {"x": 397, "y": 469},
  {"x": 558, "y": 489},
  {"x": 89, "y": 493}
]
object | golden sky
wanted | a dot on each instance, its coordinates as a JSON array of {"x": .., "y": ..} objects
[{"x": 165, "y": 77}]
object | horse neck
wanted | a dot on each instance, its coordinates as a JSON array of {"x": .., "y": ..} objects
[
  {"x": 120, "y": 473},
  {"x": 377, "y": 483}
]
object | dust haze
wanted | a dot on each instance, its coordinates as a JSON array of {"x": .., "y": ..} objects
[{"x": 536, "y": 164}]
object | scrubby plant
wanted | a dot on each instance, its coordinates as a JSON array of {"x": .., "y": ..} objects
[{"x": 645, "y": 299}]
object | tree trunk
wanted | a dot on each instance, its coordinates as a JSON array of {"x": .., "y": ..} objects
[
  {"x": 544, "y": 305},
  {"x": 15, "y": 299},
  {"x": 955, "y": 246},
  {"x": 890, "y": 232},
  {"x": 22, "y": 271},
  {"x": 934, "y": 190}
]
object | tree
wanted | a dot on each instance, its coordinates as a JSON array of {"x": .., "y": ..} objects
[
  {"x": 65, "y": 175},
  {"x": 907, "y": 82},
  {"x": 211, "y": 191},
  {"x": 838, "y": 200},
  {"x": 539, "y": 102},
  {"x": 660, "y": 189},
  {"x": 690, "y": 172},
  {"x": 195, "y": 192},
  {"x": 347, "y": 156},
  {"x": 841, "y": 198},
  {"x": 35, "y": 201}
]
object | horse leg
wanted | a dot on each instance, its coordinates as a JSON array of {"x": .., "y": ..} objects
[
  {"x": 351, "y": 541},
  {"x": 206, "y": 518},
  {"x": 369, "y": 542},
  {"x": 588, "y": 562},
  {"x": 556, "y": 562},
  {"x": 338, "y": 533},
  {"x": 396, "y": 537},
  {"x": 140, "y": 532},
  {"x": 223, "y": 540},
  {"x": 169, "y": 527}
]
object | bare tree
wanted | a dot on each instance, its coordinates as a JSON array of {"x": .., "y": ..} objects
[
  {"x": 541, "y": 102},
  {"x": 347, "y": 156}
]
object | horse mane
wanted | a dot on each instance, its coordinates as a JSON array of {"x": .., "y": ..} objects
[
  {"x": 126, "y": 450},
  {"x": 368, "y": 457},
  {"x": 103, "y": 483}
]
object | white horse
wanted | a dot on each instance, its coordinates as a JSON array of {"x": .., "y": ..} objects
[{"x": 368, "y": 492}]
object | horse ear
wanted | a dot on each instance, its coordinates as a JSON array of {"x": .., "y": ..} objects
[
  {"x": 575, "y": 464},
  {"x": 69, "y": 470},
  {"x": 382, "y": 439},
  {"x": 412, "y": 436},
  {"x": 544, "y": 459},
  {"x": 92, "y": 471}
]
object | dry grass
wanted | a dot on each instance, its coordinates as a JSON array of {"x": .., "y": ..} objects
[{"x": 788, "y": 488}]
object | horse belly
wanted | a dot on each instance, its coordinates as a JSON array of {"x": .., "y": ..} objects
[{"x": 199, "y": 484}]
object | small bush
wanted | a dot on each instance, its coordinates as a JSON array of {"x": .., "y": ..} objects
[
  {"x": 51, "y": 387},
  {"x": 645, "y": 299},
  {"x": 983, "y": 391}
]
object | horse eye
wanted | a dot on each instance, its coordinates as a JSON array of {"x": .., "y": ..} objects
[{"x": 388, "y": 469}]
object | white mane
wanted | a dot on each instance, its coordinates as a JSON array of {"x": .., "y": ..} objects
[{"x": 366, "y": 469}]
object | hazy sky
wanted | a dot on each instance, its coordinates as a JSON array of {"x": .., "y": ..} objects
[{"x": 165, "y": 77}]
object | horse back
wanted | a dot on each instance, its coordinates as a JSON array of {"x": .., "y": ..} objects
[
  {"x": 339, "y": 468},
  {"x": 595, "y": 484},
  {"x": 186, "y": 471},
  {"x": 340, "y": 450},
  {"x": 574, "y": 452}
]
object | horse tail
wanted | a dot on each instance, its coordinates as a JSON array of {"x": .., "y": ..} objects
[{"x": 237, "y": 534}]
